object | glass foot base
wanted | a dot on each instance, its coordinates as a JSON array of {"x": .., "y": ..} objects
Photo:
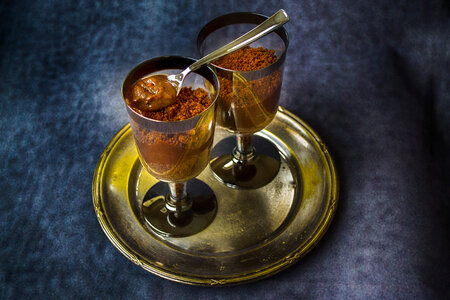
[
  {"x": 179, "y": 224},
  {"x": 252, "y": 174}
]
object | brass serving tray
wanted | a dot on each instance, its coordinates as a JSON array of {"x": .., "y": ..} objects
[{"x": 256, "y": 233}]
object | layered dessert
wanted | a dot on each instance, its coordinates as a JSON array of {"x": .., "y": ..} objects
[
  {"x": 249, "y": 89},
  {"x": 175, "y": 142}
]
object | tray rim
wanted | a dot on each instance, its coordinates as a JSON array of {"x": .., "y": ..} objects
[{"x": 191, "y": 279}]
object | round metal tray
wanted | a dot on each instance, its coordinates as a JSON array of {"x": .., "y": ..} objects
[{"x": 256, "y": 232}]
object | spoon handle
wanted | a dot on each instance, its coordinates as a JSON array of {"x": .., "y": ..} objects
[{"x": 269, "y": 25}]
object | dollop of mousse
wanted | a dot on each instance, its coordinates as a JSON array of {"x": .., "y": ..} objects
[{"x": 152, "y": 93}]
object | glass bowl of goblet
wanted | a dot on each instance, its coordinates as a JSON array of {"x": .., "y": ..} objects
[
  {"x": 175, "y": 152},
  {"x": 247, "y": 102}
]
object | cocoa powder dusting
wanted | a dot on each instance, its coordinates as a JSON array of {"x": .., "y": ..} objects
[
  {"x": 247, "y": 59},
  {"x": 189, "y": 103}
]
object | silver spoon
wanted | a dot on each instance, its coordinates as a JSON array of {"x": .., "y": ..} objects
[
  {"x": 275, "y": 21},
  {"x": 165, "y": 87}
]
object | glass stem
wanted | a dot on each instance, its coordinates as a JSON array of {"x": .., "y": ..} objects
[
  {"x": 244, "y": 150},
  {"x": 177, "y": 190},
  {"x": 178, "y": 201}
]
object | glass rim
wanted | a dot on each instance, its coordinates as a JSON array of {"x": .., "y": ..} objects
[
  {"x": 191, "y": 60},
  {"x": 241, "y": 18}
]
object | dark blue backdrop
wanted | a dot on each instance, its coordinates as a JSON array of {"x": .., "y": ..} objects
[{"x": 371, "y": 77}]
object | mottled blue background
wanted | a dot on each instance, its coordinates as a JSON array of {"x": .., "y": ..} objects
[{"x": 371, "y": 77}]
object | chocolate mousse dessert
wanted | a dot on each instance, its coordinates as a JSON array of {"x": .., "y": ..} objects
[{"x": 171, "y": 155}]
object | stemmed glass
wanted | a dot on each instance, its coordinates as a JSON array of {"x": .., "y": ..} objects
[
  {"x": 175, "y": 152},
  {"x": 247, "y": 103}
]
